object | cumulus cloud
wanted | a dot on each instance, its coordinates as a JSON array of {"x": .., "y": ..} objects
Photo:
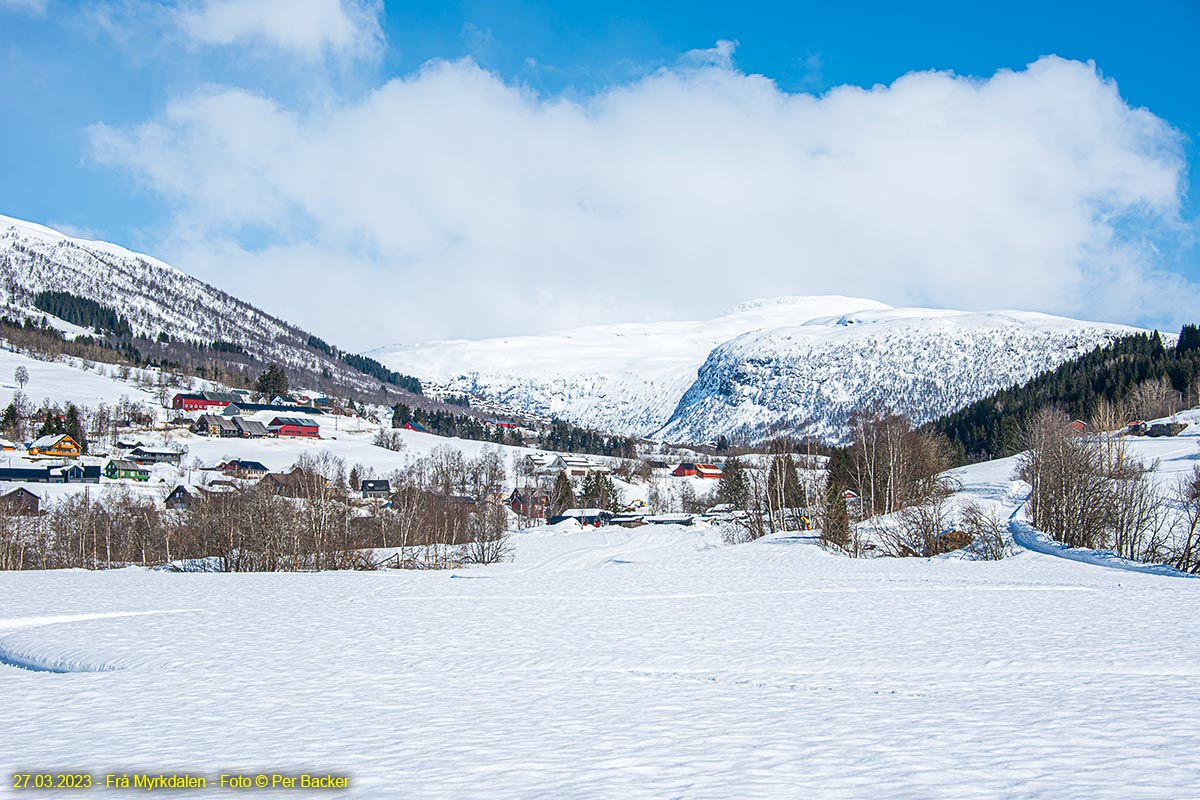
[
  {"x": 310, "y": 28},
  {"x": 453, "y": 203}
]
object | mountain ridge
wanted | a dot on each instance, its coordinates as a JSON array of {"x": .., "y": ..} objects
[
  {"x": 797, "y": 365},
  {"x": 162, "y": 303}
]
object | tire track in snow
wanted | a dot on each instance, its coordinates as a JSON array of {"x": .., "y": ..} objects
[{"x": 10, "y": 657}]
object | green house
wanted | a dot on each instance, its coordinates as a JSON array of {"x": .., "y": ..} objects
[{"x": 121, "y": 469}]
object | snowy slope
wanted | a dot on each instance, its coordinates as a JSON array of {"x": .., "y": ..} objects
[
  {"x": 63, "y": 382},
  {"x": 618, "y": 664},
  {"x": 921, "y": 362},
  {"x": 798, "y": 363},
  {"x": 152, "y": 296},
  {"x": 994, "y": 485},
  {"x": 624, "y": 378}
]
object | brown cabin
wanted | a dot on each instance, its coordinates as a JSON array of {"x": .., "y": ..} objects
[{"x": 20, "y": 502}]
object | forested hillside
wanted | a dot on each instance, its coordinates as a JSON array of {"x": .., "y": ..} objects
[{"x": 1138, "y": 373}]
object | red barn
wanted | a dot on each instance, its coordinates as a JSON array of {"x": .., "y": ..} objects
[
  {"x": 294, "y": 426},
  {"x": 414, "y": 426},
  {"x": 200, "y": 402},
  {"x": 697, "y": 471},
  {"x": 531, "y": 504}
]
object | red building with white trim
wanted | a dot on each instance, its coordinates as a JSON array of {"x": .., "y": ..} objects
[
  {"x": 201, "y": 401},
  {"x": 294, "y": 426}
]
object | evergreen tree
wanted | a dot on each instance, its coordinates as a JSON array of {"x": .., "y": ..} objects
[
  {"x": 1189, "y": 339},
  {"x": 562, "y": 497},
  {"x": 1156, "y": 345},
  {"x": 835, "y": 519},
  {"x": 598, "y": 491},
  {"x": 722, "y": 443},
  {"x": 989, "y": 428},
  {"x": 734, "y": 485},
  {"x": 53, "y": 424},
  {"x": 400, "y": 415},
  {"x": 273, "y": 382},
  {"x": 73, "y": 426},
  {"x": 10, "y": 421}
]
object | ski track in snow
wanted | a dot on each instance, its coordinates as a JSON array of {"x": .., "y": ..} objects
[{"x": 631, "y": 664}]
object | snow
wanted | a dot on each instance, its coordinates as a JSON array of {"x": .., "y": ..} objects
[
  {"x": 1028, "y": 537},
  {"x": 921, "y": 362},
  {"x": 993, "y": 484},
  {"x": 623, "y": 377},
  {"x": 653, "y": 662},
  {"x": 151, "y": 296},
  {"x": 649, "y": 662},
  {"x": 64, "y": 382},
  {"x": 787, "y": 362}
]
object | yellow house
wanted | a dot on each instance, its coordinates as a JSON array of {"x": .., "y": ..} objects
[
  {"x": 59, "y": 445},
  {"x": 6, "y": 445}
]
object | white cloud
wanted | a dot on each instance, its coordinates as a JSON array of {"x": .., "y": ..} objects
[
  {"x": 454, "y": 203},
  {"x": 310, "y": 28}
]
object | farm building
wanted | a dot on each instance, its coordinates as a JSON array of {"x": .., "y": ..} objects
[
  {"x": 532, "y": 462},
  {"x": 239, "y": 468},
  {"x": 182, "y": 496},
  {"x": 1166, "y": 429},
  {"x": 250, "y": 428},
  {"x": 215, "y": 425},
  {"x": 239, "y": 408},
  {"x": 20, "y": 502},
  {"x": 32, "y": 472},
  {"x": 414, "y": 426},
  {"x": 530, "y": 503},
  {"x": 697, "y": 471},
  {"x": 296, "y": 483},
  {"x": 155, "y": 455},
  {"x": 294, "y": 426},
  {"x": 584, "y": 516},
  {"x": 124, "y": 469},
  {"x": 201, "y": 401},
  {"x": 573, "y": 467}
]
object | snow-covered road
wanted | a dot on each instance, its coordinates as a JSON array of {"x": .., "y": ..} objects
[{"x": 621, "y": 664}]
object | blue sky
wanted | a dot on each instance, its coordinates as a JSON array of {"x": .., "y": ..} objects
[{"x": 81, "y": 82}]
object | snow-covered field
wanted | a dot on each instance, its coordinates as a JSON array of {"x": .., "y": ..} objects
[{"x": 609, "y": 663}]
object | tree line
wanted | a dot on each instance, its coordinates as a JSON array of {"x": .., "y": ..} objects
[
  {"x": 1089, "y": 490},
  {"x": 449, "y": 423},
  {"x": 82, "y": 312},
  {"x": 444, "y": 511},
  {"x": 1137, "y": 372},
  {"x": 563, "y": 437}
]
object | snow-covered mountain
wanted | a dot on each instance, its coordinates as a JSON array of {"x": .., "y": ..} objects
[
  {"x": 150, "y": 295},
  {"x": 921, "y": 362},
  {"x": 796, "y": 364},
  {"x": 624, "y": 378},
  {"x": 153, "y": 297}
]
